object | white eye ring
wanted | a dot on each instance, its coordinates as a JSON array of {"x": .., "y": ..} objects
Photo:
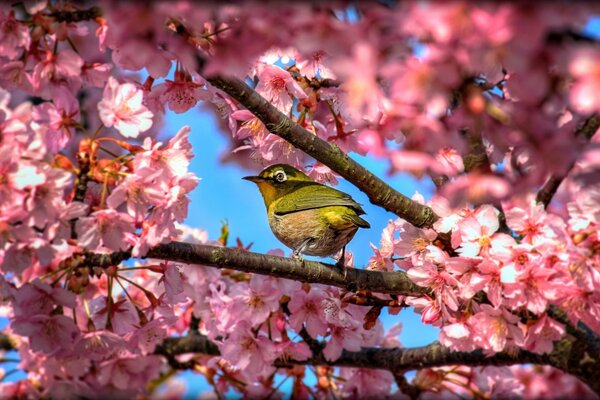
[{"x": 280, "y": 176}]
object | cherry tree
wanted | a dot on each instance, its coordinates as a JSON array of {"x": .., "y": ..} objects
[{"x": 108, "y": 294}]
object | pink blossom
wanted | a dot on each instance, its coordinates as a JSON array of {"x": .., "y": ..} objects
[
  {"x": 442, "y": 283},
  {"x": 260, "y": 299},
  {"x": 182, "y": 93},
  {"x": 531, "y": 222},
  {"x": 96, "y": 74},
  {"x": 457, "y": 336},
  {"x": 100, "y": 345},
  {"x": 340, "y": 339},
  {"x": 45, "y": 201},
  {"x": 499, "y": 382},
  {"x": 139, "y": 191},
  {"x": 363, "y": 383},
  {"x": 251, "y": 126},
  {"x": 173, "y": 281},
  {"x": 413, "y": 240},
  {"x": 56, "y": 70},
  {"x": 129, "y": 373},
  {"x": 38, "y": 297},
  {"x": 278, "y": 86},
  {"x": 295, "y": 351},
  {"x": 60, "y": 118},
  {"x": 122, "y": 318},
  {"x": 53, "y": 334},
  {"x": 487, "y": 277},
  {"x": 542, "y": 335},
  {"x": 14, "y": 76},
  {"x": 429, "y": 309},
  {"x": 532, "y": 289},
  {"x": 361, "y": 93},
  {"x": 585, "y": 68},
  {"x": 306, "y": 308},
  {"x": 122, "y": 107},
  {"x": 173, "y": 159},
  {"x": 107, "y": 228},
  {"x": 314, "y": 65},
  {"x": 14, "y": 35},
  {"x": 495, "y": 328},
  {"x": 477, "y": 235},
  {"x": 476, "y": 188},
  {"x": 451, "y": 160},
  {"x": 584, "y": 210},
  {"x": 336, "y": 314},
  {"x": 544, "y": 382},
  {"x": 245, "y": 351},
  {"x": 150, "y": 334}
]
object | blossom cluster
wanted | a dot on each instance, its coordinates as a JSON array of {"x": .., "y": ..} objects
[
  {"x": 493, "y": 290},
  {"x": 420, "y": 85}
]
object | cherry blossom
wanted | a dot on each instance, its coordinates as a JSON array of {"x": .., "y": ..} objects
[
  {"x": 122, "y": 107},
  {"x": 278, "y": 86}
]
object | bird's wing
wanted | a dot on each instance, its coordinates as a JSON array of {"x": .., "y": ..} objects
[{"x": 312, "y": 196}]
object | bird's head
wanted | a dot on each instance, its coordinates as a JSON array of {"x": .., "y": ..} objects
[{"x": 278, "y": 180}]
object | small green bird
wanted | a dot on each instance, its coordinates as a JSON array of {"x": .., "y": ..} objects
[{"x": 306, "y": 216}]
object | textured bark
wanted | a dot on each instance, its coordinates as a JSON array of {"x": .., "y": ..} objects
[
  {"x": 379, "y": 192},
  {"x": 77, "y": 15},
  {"x": 304, "y": 271},
  {"x": 568, "y": 355}
]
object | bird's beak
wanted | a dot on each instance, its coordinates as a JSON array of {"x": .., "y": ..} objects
[{"x": 254, "y": 179}]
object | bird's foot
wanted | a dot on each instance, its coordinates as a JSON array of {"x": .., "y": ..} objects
[
  {"x": 340, "y": 264},
  {"x": 296, "y": 255}
]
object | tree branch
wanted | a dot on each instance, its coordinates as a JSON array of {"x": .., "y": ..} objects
[
  {"x": 77, "y": 15},
  {"x": 379, "y": 192},
  {"x": 577, "y": 354},
  {"x": 304, "y": 271},
  {"x": 566, "y": 356},
  {"x": 583, "y": 132}
]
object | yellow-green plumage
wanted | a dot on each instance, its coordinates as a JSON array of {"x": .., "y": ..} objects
[{"x": 306, "y": 216}]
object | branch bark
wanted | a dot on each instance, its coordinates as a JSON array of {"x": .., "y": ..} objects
[
  {"x": 304, "y": 271},
  {"x": 567, "y": 356},
  {"x": 77, "y": 15}
]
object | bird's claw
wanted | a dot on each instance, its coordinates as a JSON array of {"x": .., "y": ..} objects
[
  {"x": 297, "y": 256},
  {"x": 341, "y": 268}
]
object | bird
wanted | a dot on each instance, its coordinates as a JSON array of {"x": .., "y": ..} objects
[{"x": 308, "y": 217}]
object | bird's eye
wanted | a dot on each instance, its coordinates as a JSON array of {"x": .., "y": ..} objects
[{"x": 280, "y": 176}]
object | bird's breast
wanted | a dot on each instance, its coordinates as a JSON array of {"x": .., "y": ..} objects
[{"x": 294, "y": 229}]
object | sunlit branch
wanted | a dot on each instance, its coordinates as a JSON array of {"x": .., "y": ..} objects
[{"x": 303, "y": 271}]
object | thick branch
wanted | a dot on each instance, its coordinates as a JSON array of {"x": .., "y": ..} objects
[
  {"x": 584, "y": 132},
  {"x": 304, "y": 271},
  {"x": 77, "y": 15},
  {"x": 476, "y": 159},
  {"x": 379, "y": 192},
  {"x": 567, "y": 356}
]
